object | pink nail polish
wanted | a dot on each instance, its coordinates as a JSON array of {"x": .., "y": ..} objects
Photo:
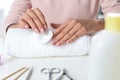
[
  {"x": 26, "y": 26},
  {"x": 54, "y": 42},
  {"x": 45, "y": 26},
  {"x": 42, "y": 31},
  {"x": 58, "y": 44},
  {"x": 67, "y": 41},
  {"x": 36, "y": 30}
]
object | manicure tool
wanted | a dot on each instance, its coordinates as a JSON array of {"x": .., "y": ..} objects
[
  {"x": 21, "y": 71},
  {"x": 64, "y": 74},
  {"x": 50, "y": 72},
  {"x": 29, "y": 73}
]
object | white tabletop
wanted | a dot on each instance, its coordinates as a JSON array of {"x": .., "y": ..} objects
[{"x": 77, "y": 67}]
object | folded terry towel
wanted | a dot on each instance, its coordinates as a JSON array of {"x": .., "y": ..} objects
[{"x": 22, "y": 43}]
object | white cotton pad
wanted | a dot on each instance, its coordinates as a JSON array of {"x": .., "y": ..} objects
[
  {"x": 42, "y": 38},
  {"x": 25, "y": 43}
]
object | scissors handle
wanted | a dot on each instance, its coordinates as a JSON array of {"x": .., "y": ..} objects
[{"x": 52, "y": 70}]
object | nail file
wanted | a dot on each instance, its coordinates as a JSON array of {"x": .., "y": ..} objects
[
  {"x": 28, "y": 74},
  {"x": 42, "y": 37}
]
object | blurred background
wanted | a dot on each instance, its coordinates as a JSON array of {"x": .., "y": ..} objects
[{"x": 4, "y": 8}]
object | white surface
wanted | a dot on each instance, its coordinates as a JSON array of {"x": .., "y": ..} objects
[
  {"x": 77, "y": 67},
  {"x": 105, "y": 56},
  {"x": 20, "y": 41}
]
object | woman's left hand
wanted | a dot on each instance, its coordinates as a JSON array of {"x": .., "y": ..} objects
[{"x": 73, "y": 29}]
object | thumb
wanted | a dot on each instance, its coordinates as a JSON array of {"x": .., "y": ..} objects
[{"x": 54, "y": 25}]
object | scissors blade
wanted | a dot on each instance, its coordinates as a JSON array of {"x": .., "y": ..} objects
[{"x": 50, "y": 75}]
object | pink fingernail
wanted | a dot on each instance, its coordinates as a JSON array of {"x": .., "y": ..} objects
[
  {"x": 58, "y": 44},
  {"x": 53, "y": 42},
  {"x": 26, "y": 26},
  {"x": 42, "y": 31},
  {"x": 67, "y": 41},
  {"x": 45, "y": 26},
  {"x": 36, "y": 30}
]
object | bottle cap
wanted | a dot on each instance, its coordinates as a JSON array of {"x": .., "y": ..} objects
[{"x": 112, "y": 22}]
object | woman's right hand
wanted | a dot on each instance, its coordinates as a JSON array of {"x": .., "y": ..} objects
[{"x": 32, "y": 18}]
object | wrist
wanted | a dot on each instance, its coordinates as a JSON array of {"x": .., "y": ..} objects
[
  {"x": 92, "y": 26},
  {"x": 100, "y": 25}
]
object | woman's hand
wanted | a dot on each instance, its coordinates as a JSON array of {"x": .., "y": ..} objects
[
  {"x": 73, "y": 29},
  {"x": 32, "y": 18}
]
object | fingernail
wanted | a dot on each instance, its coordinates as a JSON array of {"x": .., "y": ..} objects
[
  {"x": 58, "y": 44},
  {"x": 42, "y": 30},
  {"x": 53, "y": 43},
  {"x": 67, "y": 41},
  {"x": 45, "y": 26},
  {"x": 36, "y": 30},
  {"x": 26, "y": 26}
]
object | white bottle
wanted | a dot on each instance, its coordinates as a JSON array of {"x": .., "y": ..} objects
[{"x": 104, "y": 59}]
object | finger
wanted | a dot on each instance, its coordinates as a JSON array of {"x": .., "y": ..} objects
[
  {"x": 40, "y": 16},
  {"x": 55, "y": 26},
  {"x": 23, "y": 24},
  {"x": 68, "y": 23},
  {"x": 77, "y": 35},
  {"x": 30, "y": 21},
  {"x": 59, "y": 29},
  {"x": 64, "y": 32},
  {"x": 35, "y": 18},
  {"x": 69, "y": 34}
]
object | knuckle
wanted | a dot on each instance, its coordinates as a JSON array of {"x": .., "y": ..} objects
[
  {"x": 28, "y": 19},
  {"x": 23, "y": 14},
  {"x": 74, "y": 21},
  {"x": 28, "y": 10},
  {"x": 39, "y": 24},
  {"x": 35, "y": 17},
  {"x": 63, "y": 32},
  {"x": 70, "y": 33},
  {"x": 35, "y": 9},
  {"x": 21, "y": 21}
]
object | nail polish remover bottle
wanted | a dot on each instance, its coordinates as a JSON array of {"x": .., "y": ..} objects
[{"x": 104, "y": 59}]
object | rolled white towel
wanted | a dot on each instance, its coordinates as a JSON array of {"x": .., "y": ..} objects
[{"x": 25, "y": 43}]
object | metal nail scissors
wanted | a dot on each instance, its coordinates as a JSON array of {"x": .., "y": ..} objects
[
  {"x": 50, "y": 71},
  {"x": 65, "y": 74}
]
